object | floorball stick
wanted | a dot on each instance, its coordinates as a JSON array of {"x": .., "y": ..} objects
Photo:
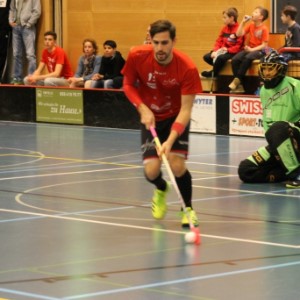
[{"x": 195, "y": 230}]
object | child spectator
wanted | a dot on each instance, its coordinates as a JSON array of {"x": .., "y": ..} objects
[
  {"x": 292, "y": 35},
  {"x": 112, "y": 63},
  {"x": 147, "y": 40},
  {"x": 258, "y": 36},
  {"x": 226, "y": 45},
  {"x": 88, "y": 64},
  {"x": 57, "y": 63}
]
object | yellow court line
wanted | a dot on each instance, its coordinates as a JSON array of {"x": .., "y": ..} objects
[
  {"x": 101, "y": 163},
  {"x": 77, "y": 160}
]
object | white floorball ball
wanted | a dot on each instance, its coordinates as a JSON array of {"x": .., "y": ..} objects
[{"x": 190, "y": 237}]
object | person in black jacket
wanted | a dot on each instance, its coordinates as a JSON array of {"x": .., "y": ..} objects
[
  {"x": 112, "y": 63},
  {"x": 292, "y": 34},
  {"x": 5, "y": 36}
]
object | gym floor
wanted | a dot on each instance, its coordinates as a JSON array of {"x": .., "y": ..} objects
[{"x": 76, "y": 221}]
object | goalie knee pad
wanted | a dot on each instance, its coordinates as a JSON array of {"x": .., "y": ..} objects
[
  {"x": 279, "y": 132},
  {"x": 284, "y": 140},
  {"x": 271, "y": 171}
]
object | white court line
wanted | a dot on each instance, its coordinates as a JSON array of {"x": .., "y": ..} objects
[
  {"x": 246, "y": 191},
  {"x": 148, "y": 228},
  {"x": 180, "y": 281},
  {"x": 215, "y": 165},
  {"x": 117, "y": 168}
]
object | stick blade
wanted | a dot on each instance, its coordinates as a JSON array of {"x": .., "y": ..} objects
[{"x": 196, "y": 232}]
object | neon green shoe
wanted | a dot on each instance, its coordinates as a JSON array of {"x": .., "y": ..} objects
[
  {"x": 159, "y": 203},
  {"x": 193, "y": 216}
]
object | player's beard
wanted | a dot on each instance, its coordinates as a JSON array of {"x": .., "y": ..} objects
[{"x": 162, "y": 57}]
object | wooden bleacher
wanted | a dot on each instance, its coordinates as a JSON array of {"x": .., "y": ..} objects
[{"x": 252, "y": 80}]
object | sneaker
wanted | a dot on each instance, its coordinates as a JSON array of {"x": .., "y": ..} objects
[
  {"x": 293, "y": 184},
  {"x": 16, "y": 81},
  {"x": 207, "y": 73},
  {"x": 193, "y": 216},
  {"x": 234, "y": 84},
  {"x": 239, "y": 90},
  {"x": 159, "y": 203}
]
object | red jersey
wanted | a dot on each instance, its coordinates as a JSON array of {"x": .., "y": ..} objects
[
  {"x": 233, "y": 45},
  {"x": 159, "y": 86},
  {"x": 257, "y": 34},
  {"x": 57, "y": 56}
]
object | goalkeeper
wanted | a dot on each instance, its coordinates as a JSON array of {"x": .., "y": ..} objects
[{"x": 279, "y": 160}]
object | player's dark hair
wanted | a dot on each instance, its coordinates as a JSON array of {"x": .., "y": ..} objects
[
  {"x": 232, "y": 12},
  {"x": 93, "y": 42},
  {"x": 162, "y": 26},
  {"x": 291, "y": 11},
  {"x": 52, "y": 33},
  {"x": 264, "y": 12}
]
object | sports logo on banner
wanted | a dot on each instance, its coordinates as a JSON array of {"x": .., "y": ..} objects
[
  {"x": 204, "y": 114},
  {"x": 245, "y": 116},
  {"x": 59, "y": 106}
]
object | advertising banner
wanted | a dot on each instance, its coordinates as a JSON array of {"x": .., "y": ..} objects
[
  {"x": 59, "y": 106},
  {"x": 245, "y": 116},
  {"x": 204, "y": 114}
]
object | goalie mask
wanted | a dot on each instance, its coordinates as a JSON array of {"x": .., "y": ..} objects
[{"x": 272, "y": 69}]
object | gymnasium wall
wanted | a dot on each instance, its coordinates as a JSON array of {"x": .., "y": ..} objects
[{"x": 198, "y": 22}]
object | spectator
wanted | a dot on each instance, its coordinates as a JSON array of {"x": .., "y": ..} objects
[
  {"x": 258, "y": 36},
  {"x": 279, "y": 160},
  {"x": 23, "y": 16},
  {"x": 226, "y": 45},
  {"x": 147, "y": 40},
  {"x": 112, "y": 63},
  {"x": 292, "y": 35},
  {"x": 5, "y": 34},
  {"x": 57, "y": 63},
  {"x": 88, "y": 65}
]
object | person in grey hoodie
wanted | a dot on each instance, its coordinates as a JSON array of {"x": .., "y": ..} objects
[{"x": 23, "y": 16}]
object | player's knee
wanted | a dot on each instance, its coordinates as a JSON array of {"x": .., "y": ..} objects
[
  {"x": 277, "y": 133},
  {"x": 247, "y": 171},
  {"x": 177, "y": 164},
  {"x": 152, "y": 169},
  {"x": 281, "y": 131}
]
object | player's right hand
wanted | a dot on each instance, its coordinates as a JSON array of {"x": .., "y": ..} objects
[{"x": 147, "y": 116}]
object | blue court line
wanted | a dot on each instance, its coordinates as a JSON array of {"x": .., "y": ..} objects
[{"x": 159, "y": 284}]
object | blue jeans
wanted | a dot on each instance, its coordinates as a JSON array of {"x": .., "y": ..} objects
[{"x": 23, "y": 39}]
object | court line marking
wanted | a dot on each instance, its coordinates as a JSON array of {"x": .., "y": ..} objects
[
  {"x": 156, "y": 284},
  {"x": 210, "y": 164},
  {"x": 148, "y": 228},
  {"x": 249, "y": 191},
  {"x": 70, "y": 173},
  {"x": 36, "y": 296},
  {"x": 183, "y": 280},
  {"x": 76, "y": 160}
]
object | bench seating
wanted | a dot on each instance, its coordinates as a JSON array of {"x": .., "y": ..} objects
[
  {"x": 225, "y": 76},
  {"x": 293, "y": 69}
]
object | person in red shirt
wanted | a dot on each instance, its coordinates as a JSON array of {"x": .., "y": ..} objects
[
  {"x": 162, "y": 83},
  {"x": 257, "y": 41},
  {"x": 226, "y": 45},
  {"x": 57, "y": 63}
]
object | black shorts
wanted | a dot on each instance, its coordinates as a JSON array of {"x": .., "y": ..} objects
[{"x": 163, "y": 128}]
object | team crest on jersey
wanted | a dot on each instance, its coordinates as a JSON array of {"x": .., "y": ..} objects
[{"x": 151, "y": 82}]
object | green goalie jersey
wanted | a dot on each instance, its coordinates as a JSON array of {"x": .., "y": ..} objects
[{"x": 281, "y": 103}]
